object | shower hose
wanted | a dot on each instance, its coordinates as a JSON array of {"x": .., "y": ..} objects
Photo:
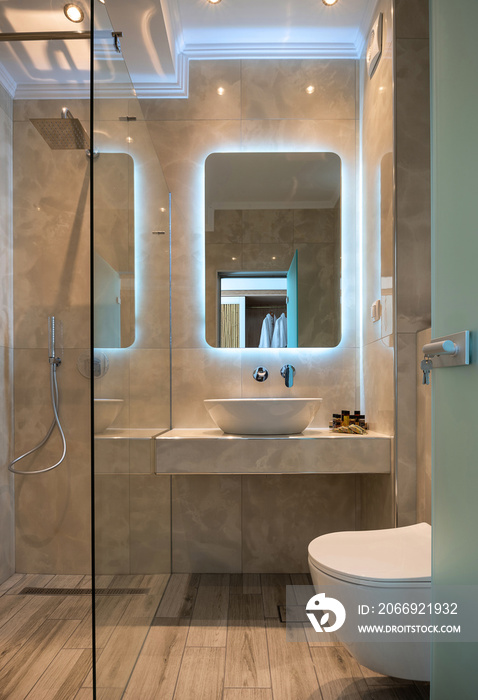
[{"x": 54, "y": 362}]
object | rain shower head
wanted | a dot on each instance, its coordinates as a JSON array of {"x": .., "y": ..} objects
[{"x": 65, "y": 133}]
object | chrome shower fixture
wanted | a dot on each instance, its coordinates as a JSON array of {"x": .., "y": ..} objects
[{"x": 65, "y": 133}]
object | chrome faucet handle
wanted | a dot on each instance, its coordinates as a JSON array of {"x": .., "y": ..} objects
[
  {"x": 287, "y": 372},
  {"x": 260, "y": 374}
]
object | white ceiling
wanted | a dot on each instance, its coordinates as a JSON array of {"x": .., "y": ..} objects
[{"x": 161, "y": 36}]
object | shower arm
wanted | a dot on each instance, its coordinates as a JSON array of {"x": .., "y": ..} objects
[{"x": 43, "y": 36}]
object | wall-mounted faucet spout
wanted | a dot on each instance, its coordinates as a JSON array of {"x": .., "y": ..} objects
[{"x": 288, "y": 372}]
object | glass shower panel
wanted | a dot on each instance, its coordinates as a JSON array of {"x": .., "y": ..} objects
[
  {"x": 131, "y": 366},
  {"x": 45, "y": 516}
]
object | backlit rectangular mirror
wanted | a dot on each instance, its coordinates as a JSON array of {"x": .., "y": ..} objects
[
  {"x": 273, "y": 249},
  {"x": 114, "y": 251}
]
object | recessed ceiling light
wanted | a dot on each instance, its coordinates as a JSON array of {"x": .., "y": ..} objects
[
  {"x": 103, "y": 2},
  {"x": 129, "y": 139},
  {"x": 74, "y": 13},
  {"x": 214, "y": 2},
  {"x": 310, "y": 89},
  {"x": 220, "y": 91},
  {"x": 329, "y": 3}
]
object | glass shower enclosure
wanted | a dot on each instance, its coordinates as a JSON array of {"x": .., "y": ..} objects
[
  {"x": 130, "y": 368},
  {"x": 84, "y": 249}
]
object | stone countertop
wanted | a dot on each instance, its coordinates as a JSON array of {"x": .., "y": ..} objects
[{"x": 210, "y": 451}]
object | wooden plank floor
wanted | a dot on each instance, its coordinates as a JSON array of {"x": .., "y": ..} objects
[{"x": 193, "y": 637}]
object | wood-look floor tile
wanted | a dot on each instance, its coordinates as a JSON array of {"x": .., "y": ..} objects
[
  {"x": 10, "y": 582},
  {"x": 10, "y": 605},
  {"x": 156, "y": 584},
  {"x": 292, "y": 670},
  {"x": 35, "y": 655},
  {"x": 103, "y": 580},
  {"x": 156, "y": 671},
  {"x": 180, "y": 595},
  {"x": 17, "y": 631},
  {"x": 423, "y": 690},
  {"x": 121, "y": 651},
  {"x": 109, "y": 611},
  {"x": 209, "y": 619},
  {"x": 245, "y": 584},
  {"x": 101, "y": 694},
  {"x": 202, "y": 674},
  {"x": 30, "y": 580},
  {"x": 247, "y": 660},
  {"x": 247, "y": 694},
  {"x": 374, "y": 679},
  {"x": 63, "y": 676},
  {"x": 127, "y": 581},
  {"x": 274, "y": 592},
  {"x": 73, "y": 608},
  {"x": 338, "y": 673},
  {"x": 65, "y": 581}
]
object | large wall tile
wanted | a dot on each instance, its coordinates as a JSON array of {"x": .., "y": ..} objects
[
  {"x": 206, "y": 520},
  {"x": 328, "y": 374},
  {"x": 52, "y": 509},
  {"x": 413, "y": 186},
  {"x": 412, "y": 19},
  {"x": 424, "y": 436},
  {"x": 51, "y": 240},
  {"x": 149, "y": 389},
  {"x": 407, "y": 427},
  {"x": 202, "y": 374},
  {"x": 150, "y": 523},
  {"x": 282, "y": 514},
  {"x": 276, "y": 89},
  {"x": 7, "y": 522},
  {"x": 112, "y": 526},
  {"x": 205, "y": 77}
]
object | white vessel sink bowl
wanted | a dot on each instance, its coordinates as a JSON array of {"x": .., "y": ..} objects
[
  {"x": 262, "y": 416},
  {"x": 106, "y": 410}
]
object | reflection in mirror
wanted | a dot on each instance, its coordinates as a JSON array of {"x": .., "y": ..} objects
[
  {"x": 273, "y": 249},
  {"x": 114, "y": 251}
]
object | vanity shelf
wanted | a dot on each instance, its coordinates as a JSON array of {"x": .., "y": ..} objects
[{"x": 185, "y": 451}]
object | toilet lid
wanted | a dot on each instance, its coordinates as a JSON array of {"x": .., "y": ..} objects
[{"x": 394, "y": 555}]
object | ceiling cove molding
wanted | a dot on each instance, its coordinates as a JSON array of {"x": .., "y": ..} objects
[
  {"x": 60, "y": 91},
  {"x": 173, "y": 24},
  {"x": 7, "y": 81},
  {"x": 179, "y": 88},
  {"x": 279, "y": 50}
]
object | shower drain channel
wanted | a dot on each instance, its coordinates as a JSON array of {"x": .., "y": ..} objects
[{"x": 84, "y": 591}]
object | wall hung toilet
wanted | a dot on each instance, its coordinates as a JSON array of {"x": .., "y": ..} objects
[{"x": 373, "y": 566}]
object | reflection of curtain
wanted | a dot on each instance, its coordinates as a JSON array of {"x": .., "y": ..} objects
[{"x": 229, "y": 325}]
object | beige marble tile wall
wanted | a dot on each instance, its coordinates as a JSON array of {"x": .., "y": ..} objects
[
  {"x": 264, "y": 107},
  {"x": 51, "y": 258},
  {"x": 378, "y": 231},
  {"x": 7, "y": 563},
  {"x": 424, "y": 435},
  {"x": 413, "y": 232},
  {"x": 51, "y": 277}
]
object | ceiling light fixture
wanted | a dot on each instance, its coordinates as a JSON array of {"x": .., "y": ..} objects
[
  {"x": 103, "y": 2},
  {"x": 74, "y": 13},
  {"x": 214, "y": 2},
  {"x": 310, "y": 89},
  {"x": 329, "y": 3},
  {"x": 220, "y": 91}
]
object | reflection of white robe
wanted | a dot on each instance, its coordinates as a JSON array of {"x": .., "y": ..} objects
[
  {"x": 266, "y": 332},
  {"x": 279, "y": 338}
]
